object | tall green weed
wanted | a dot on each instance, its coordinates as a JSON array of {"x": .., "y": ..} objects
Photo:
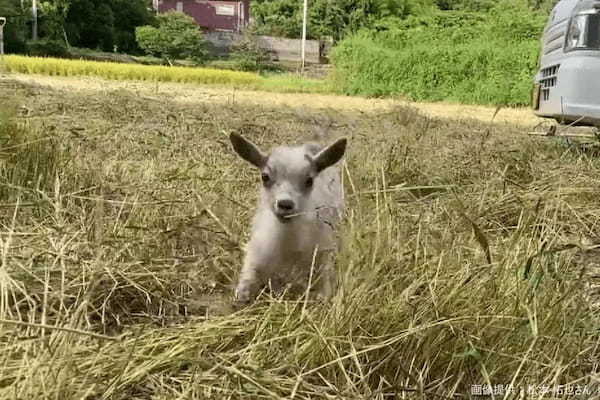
[{"x": 455, "y": 56}]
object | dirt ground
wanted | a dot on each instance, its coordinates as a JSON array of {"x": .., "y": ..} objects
[{"x": 187, "y": 93}]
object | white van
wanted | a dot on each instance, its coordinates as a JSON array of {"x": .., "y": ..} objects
[{"x": 567, "y": 84}]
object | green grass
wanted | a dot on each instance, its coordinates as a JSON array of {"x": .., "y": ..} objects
[
  {"x": 460, "y": 57},
  {"x": 474, "y": 73},
  {"x": 295, "y": 83},
  {"x": 116, "y": 274}
]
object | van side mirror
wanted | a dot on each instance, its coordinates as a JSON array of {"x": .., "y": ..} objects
[{"x": 2, "y": 21}]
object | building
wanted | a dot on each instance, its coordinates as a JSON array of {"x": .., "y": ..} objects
[{"x": 211, "y": 15}]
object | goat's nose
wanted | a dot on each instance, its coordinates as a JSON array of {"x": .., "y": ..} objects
[{"x": 285, "y": 205}]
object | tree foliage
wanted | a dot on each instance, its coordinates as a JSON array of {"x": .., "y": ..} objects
[
  {"x": 329, "y": 18},
  {"x": 15, "y": 30},
  {"x": 176, "y": 37},
  {"x": 53, "y": 15},
  {"x": 339, "y": 18},
  {"x": 105, "y": 25}
]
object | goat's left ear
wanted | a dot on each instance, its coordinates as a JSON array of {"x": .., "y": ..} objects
[{"x": 330, "y": 154}]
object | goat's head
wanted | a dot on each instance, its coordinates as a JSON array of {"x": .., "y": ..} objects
[{"x": 288, "y": 173}]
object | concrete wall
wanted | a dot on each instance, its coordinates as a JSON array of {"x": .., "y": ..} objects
[
  {"x": 281, "y": 49},
  {"x": 290, "y": 49}
]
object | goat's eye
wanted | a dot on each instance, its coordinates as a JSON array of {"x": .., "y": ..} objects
[
  {"x": 309, "y": 182},
  {"x": 265, "y": 178}
]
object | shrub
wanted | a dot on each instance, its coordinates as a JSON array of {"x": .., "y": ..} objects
[
  {"x": 47, "y": 48},
  {"x": 176, "y": 37},
  {"x": 247, "y": 54}
]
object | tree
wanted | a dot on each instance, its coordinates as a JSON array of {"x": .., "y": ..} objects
[
  {"x": 15, "y": 31},
  {"x": 176, "y": 37},
  {"x": 53, "y": 17},
  {"x": 333, "y": 18},
  {"x": 107, "y": 25},
  {"x": 129, "y": 14}
]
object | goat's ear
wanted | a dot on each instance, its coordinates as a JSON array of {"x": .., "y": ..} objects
[
  {"x": 248, "y": 150},
  {"x": 330, "y": 155}
]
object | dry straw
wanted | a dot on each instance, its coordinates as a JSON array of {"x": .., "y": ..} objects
[{"x": 458, "y": 266}]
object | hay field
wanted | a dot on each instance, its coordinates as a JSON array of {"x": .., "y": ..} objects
[
  {"x": 122, "y": 220},
  {"x": 187, "y": 93}
]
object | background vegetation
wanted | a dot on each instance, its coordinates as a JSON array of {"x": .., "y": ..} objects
[
  {"x": 177, "y": 36},
  {"x": 472, "y": 51},
  {"x": 15, "y": 31},
  {"x": 469, "y": 57},
  {"x": 106, "y": 25},
  {"x": 338, "y": 19}
]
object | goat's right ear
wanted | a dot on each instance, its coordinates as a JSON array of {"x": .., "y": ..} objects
[{"x": 248, "y": 150}]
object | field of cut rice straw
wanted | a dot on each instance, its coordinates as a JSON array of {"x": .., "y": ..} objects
[
  {"x": 468, "y": 255},
  {"x": 182, "y": 93}
]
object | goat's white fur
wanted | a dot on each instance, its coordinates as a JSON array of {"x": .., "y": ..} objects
[{"x": 283, "y": 251}]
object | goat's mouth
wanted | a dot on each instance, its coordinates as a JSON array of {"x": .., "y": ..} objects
[{"x": 285, "y": 218}]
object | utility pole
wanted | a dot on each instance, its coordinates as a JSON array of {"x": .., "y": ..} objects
[
  {"x": 34, "y": 12},
  {"x": 2, "y": 23},
  {"x": 304, "y": 32}
]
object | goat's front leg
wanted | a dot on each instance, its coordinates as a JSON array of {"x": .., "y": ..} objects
[
  {"x": 249, "y": 283},
  {"x": 326, "y": 284}
]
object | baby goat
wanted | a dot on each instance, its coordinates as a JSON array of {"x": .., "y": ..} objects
[{"x": 301, "y": 202}]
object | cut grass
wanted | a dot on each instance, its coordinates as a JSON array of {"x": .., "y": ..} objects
[{"x": 453, "y": 272}]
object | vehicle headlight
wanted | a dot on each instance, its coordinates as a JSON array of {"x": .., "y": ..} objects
[{"x": 584, "y": 31}]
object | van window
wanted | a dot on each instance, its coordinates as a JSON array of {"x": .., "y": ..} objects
[
  {"x": 584, "y": 32},
  {"x": 593, "y": 32}
]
